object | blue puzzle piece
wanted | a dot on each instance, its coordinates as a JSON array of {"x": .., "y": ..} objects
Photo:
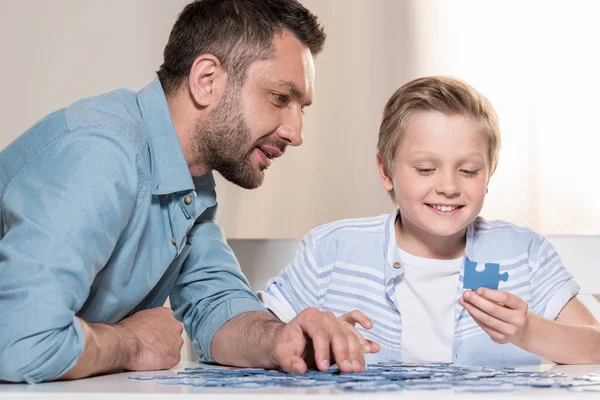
[{"x": 489, "y": 277}]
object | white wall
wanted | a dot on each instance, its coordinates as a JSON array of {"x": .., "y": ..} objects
[{"x": 54, "y": 52}]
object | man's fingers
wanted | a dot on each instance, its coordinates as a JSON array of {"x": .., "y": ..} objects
[
  {"x": 340, "y": 349},
  {"x": 364, "y": 343},
  {"x": 330, "y": 336},
  {"x": 315, "y": 324},
  {"x": 356, "y": 316},
  {"x": 321, "y": 345},
  {"x": 374, "y": 347},
  {"x": 368, "y": 346},
  {"x": 293, "y": 364}
]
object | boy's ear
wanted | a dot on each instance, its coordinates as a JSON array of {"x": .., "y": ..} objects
[
  {"x": 386, "y": 177},
  {"x": 207, "y": 80},
  {"x": 490, "y": 176}
]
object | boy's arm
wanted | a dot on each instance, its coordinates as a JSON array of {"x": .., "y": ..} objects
[
  {"x": 297, "y": 286},
  {"x": 574, "y": 338}
]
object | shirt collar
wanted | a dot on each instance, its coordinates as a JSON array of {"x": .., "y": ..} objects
[
  {"x": 170, "y": 172},
  {"x": 394, "y": 265}
]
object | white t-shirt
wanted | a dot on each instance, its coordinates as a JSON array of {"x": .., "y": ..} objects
[{"x": 426, "y": 298}]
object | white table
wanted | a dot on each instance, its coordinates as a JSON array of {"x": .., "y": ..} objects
[{"x": 118, "y": 386}]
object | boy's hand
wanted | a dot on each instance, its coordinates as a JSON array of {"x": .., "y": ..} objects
[
  {"x": 352, "y": 318},
  {"x": 502, "y": 315}
]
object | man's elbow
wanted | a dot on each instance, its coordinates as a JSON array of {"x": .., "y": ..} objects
[
  {"x": 34, "y": 359},
  {"x": 15, "y": 366}
]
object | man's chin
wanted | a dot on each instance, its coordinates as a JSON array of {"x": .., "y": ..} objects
[{"x": 246, "y": 182}]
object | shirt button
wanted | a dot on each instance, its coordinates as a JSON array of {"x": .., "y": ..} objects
[
  {"x": 396, "y": 265},
  {"x": 173, "y": 240},
  {"x": 188, "y": 200},
  {"x": 165, "y": 196}
]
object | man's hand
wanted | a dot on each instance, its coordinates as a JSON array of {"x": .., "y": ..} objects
[
  {"x": 502, "y": 315},
  {"x": 319, "y": 337},
  {"x": 148, "y": 340},
  {"x": 349, "y": 321},
  {"x": 155, "y": 339}
]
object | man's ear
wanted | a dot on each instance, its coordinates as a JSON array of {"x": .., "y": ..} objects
[
  {"x": 206, "y": 80},
  {"x": 386, "y": 177}
]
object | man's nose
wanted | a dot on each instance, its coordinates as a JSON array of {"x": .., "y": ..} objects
[{"x": 291, "y": 128}]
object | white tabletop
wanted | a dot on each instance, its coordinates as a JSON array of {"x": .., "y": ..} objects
[{"x": 118, "y": 386}]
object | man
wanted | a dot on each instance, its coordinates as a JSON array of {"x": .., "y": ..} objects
[{"x": 108, "y": 206}]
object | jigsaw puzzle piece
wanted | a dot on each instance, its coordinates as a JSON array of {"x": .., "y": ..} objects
[{"x": 490, "y": 277}]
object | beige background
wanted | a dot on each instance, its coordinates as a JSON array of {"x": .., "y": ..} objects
[{"x": 534, "y": 60}]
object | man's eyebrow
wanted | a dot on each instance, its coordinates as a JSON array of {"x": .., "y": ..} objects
[{"x": 293, "y": 89}]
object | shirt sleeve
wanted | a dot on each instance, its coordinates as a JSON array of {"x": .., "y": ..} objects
[
  {"x": 211, "y": 288},
  {"x": 63, "y": 214},
  {"x": 297, "y": 286},
  {"x": 552, "y": 284}
]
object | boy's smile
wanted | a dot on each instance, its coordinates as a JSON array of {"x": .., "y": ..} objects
[{"x": 445, "y": 209}]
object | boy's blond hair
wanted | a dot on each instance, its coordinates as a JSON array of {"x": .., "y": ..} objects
[{"x": 435, "y": 93}]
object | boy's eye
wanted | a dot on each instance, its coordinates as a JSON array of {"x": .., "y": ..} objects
[
  {"x": 469, "y": 172},
  {"x": 425, "y": 171}
]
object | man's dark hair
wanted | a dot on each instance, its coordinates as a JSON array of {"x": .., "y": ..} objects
[{"x": 238, "y": 32}]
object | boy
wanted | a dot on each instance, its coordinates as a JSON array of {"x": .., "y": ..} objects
[{"x": 438, "y": 148}]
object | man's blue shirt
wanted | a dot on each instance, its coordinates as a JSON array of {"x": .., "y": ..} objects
[{"x": 100, "y": 218}]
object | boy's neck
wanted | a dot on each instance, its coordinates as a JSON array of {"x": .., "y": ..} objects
[{"x": 427, "y": 245}]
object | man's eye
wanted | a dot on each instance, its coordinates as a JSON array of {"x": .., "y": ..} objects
[
  {"x": 281, "y": 99},
  {"x": 425, "y": 171}
]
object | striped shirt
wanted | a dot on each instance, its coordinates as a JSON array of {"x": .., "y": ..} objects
[{"x": 355, "y": 264}]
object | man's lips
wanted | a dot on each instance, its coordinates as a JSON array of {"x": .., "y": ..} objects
[{"x": 271, "y": 151}]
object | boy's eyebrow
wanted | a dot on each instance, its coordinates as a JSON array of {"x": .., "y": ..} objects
[
  {"x": 475, "y": 154},
  {"x": 293, "y": 89},
  {"x": 422, "y": 153}
]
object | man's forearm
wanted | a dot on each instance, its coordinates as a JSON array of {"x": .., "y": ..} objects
[
  {"x": 561, "y": 343},
  {"x": 246, "y": 340},
  {"x": 107, "y": 349}
]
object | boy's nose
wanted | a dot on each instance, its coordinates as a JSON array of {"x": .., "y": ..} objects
[{"x": 448, "y": 186}]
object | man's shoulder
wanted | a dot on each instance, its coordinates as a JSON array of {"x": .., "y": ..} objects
[{"x": 115, "y": 112}]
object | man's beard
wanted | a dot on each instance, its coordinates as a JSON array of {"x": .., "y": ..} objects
[{"x": 223, "y": 143}]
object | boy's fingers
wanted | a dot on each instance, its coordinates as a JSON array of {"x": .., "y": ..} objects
[
  {"x": 489, "y": 307},
  {"x": 504, "y": 298},
  {"x": 482, "y": 317}
]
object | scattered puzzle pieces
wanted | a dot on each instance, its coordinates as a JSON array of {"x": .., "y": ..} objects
[
  {"x": 490, "y": 277},
  {"x": 382, "y": 377}
]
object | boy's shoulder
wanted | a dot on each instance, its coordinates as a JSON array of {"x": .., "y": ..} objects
[
  {"x": 351, "y": 227},
  {"x": 482, "y": 225},
  {"x": 504, "y": 235}
]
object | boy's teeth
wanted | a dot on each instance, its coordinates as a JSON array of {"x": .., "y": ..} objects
[{"x": 445, "y": 208}]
